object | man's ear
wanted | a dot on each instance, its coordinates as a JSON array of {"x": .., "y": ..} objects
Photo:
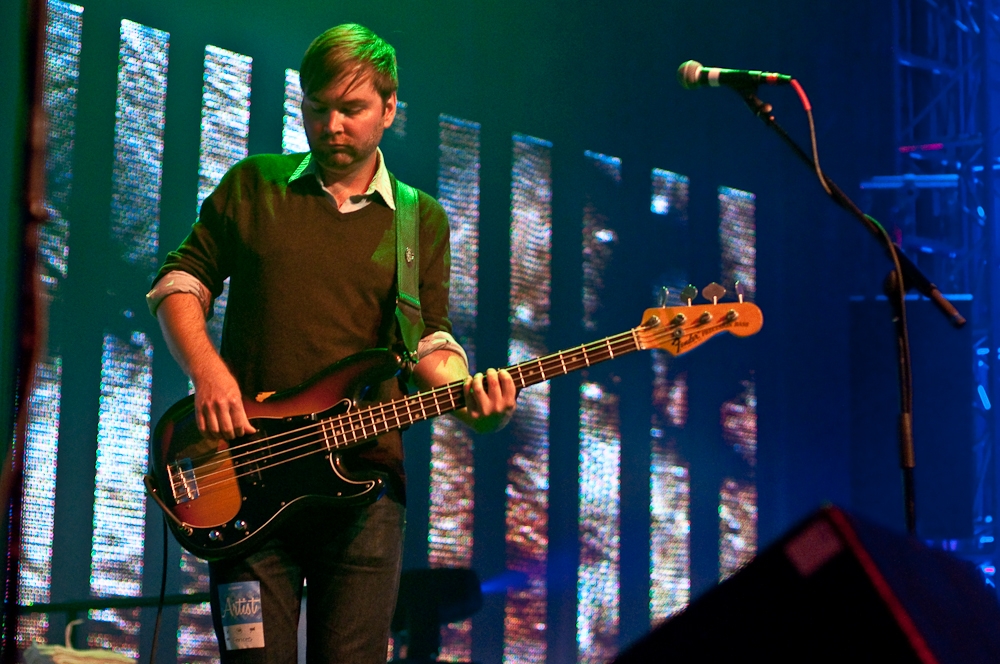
[{"x": 389, "y": 111}]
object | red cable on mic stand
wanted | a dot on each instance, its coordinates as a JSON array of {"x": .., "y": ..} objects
[{"x": 896, "y": 285}]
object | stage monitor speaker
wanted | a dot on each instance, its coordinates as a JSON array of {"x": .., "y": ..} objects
[{"x": 836, "y": 589}]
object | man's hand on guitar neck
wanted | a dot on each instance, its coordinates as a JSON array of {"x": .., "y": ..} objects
[
  {"x": 490, "y": 398},
  {"x": 217, "y": 400}
]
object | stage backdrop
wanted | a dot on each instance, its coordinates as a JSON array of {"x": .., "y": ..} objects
[{"x": 580, "y": 181}]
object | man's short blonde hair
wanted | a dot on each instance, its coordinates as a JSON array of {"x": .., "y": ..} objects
[{"x": 349, "y": 50}]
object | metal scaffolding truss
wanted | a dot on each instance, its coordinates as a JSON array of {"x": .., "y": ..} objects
[
  {"x": 938, "y": 76},
  {"x": 947, "y": 79}
]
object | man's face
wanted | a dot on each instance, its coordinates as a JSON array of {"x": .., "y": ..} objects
[{"x": 344, "y": 123}]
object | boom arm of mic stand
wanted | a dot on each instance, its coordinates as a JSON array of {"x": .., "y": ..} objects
[
  {"x": 909, "y": 276},
  {"x": 913, "y": 278}
]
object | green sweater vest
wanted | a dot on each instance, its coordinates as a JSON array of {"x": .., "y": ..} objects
[{"x": 308, "y": 285}]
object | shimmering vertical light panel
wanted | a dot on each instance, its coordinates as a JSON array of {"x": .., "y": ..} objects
[
  {"x": 458, "y": 192},
  {"x": 670, "y": 496},
  {"x": 119, "y": 498},
  {"x": 598, "y": 238},
  {"x": 738, "y": 498},
  {"x": 398, "y": 127},
  {"x": 670, "y": 195},
  {"x": 600, "y": 522},
  {"x": 225, "y": 130},
  {"x": 142, "y": 94},
  {"x": 293, "y": 136},
  {"x": 739, "y": 423},
  {"x": 737, "y": 525},
  {"x": 196, "y": 642},
  {"x": 528, "y": 464},
  {"x": 38, "y": 507},
  {"x": 600, "y": 443},
  {"x": 669, "y": 475},
  {"x": 62, "y": 76},
  {"x": 225, "y": 115},
  {"x": 737, "y": 236},
  {"x": 670, "y": 533},
  {"x": 452, "y": 486}
]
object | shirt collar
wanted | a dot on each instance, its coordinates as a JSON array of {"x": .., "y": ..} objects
[{"x": 380, "y": 184}]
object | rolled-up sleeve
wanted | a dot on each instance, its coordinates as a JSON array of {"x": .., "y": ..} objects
[
  {"x": 441, "y": 341},
  {"x": 178, "y": 281}
]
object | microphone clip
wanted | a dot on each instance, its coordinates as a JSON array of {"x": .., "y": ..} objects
[{"x": 759, "y": 108}]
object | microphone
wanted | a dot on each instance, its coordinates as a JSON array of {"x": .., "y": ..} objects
[{"x": 692, "y": 75}]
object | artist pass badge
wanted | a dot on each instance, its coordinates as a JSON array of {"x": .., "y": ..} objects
[{"x": 242, "y": 618}]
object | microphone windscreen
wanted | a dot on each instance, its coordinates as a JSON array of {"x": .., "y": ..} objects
[{"x": 688, "y": 73}]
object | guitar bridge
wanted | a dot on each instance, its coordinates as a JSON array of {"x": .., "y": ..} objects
[{"x": 183, "y": 483}]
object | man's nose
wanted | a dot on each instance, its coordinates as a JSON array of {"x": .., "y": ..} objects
[{"x": 335, "y": 122}]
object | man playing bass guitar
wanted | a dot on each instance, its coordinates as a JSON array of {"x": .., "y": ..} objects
[{"x": 309, "y": 245}]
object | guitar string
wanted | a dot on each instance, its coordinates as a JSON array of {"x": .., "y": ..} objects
[
  {"x": 540, "y": 364},
  {"x": 378, "y": 415},
  {"x": 520, "y": 369},
  {"x": 434, "y": 393},
  {"x": 540, "y": 361},
  {"x": 542, "y": 367},
  {"x": 422, "y": 397},
  {"x": 255, "y": 448},
  {"x": 523, "y": 369},
  {"x": 256, "y": 442}
]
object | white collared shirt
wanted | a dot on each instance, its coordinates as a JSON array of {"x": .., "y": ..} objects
[{"x": 381, "y": 184}]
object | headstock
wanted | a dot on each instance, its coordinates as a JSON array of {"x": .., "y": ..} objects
[{"x": 679, "y": 329}]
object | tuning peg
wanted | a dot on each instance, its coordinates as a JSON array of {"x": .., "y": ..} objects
[
  {"x": 713, "y": 292},
  {"x": 663, "y": 296},
  {"x": 740, "y": 290},
  {"x": 689, "y": 293}
]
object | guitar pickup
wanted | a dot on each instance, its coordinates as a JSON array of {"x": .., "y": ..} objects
[
  {"x": 311, "y": 417},
  {"x": 183, "y": 483}
]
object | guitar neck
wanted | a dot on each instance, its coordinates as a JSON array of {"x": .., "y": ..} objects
[
  {"x": 356, "y": 426},
  {"x": 542, "y": 369}
]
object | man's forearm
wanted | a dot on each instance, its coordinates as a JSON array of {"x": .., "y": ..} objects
[
  {"x": 218, "y": 403},
  {"x": 182, "y": 321}
]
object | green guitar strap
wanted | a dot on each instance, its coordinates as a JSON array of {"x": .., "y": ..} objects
[{"x": 407, "y": 224}]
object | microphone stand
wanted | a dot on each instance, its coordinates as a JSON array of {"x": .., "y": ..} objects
[{"x": 904, "y": 277}]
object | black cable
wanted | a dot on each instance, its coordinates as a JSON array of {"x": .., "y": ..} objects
[
  {"x": 763, "y": 111},
  {"x": 163, "y": 592},
  {"x": 905, "y": 377},
  {"x": 897, "y": 290}
]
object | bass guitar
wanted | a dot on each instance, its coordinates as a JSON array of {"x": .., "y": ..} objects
[{"x": 221, "y": 496}]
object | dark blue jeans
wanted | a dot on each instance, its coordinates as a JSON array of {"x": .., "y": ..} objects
[{"x": 351, "y": 560}]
